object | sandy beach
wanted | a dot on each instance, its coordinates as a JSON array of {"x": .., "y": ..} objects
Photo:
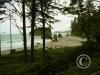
[
  {"x": 63, "y": 42},
  {"x": 68, "y": 41}
]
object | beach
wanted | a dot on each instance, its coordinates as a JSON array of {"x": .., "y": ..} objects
[
  {"x": 67, "y": 41},
  {"x": 17, "y": 41}
]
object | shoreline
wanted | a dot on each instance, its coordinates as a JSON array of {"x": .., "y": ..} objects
[{"x": 68, "y": 41}]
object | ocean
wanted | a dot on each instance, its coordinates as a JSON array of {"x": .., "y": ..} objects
[{"x": 17, "y": 41}]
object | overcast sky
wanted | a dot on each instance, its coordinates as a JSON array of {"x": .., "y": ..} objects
[{"x": 64, "y": 25}]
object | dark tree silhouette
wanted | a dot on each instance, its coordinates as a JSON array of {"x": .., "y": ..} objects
[
  {"x": 41, "y": 12},
  {"x": 83, "y": 11},
  {"x": 43, "y": 8},
  {"x": 24, "y": 31},
  {"x": 33, "y": 10},
  {"x": 46, "y": 7}
]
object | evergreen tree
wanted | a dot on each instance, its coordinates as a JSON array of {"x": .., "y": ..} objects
[
  {"x": 33, "y": 10},
  {"x": 84, "y": 10},
  {"x": 24, "y": 31},
  {"x": 44, "y": 12}
]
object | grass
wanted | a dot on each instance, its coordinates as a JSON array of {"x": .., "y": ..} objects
[{"x": 61, "y": 61}]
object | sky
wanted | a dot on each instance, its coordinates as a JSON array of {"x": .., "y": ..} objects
[{"x": 63, "y": 25}]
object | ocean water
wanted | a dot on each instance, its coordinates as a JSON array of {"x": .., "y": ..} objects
[{"x": 17, "y": 41}]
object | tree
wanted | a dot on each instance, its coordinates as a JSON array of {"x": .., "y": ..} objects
[
  {"x": 42, "y": 14},
  {"x": 24, "y": 31},
  {"x": 43, "y": 9},
  {"x": 84, "y": 11},
  {"x": 94, "y": 21},
  {"x": 48, "y": 8},
  {"x": 33, "y": 10},
  {"x": 22, "y": 15},
  {"x": 90, "y": 20},
  {"x": 2, "y": 2}
]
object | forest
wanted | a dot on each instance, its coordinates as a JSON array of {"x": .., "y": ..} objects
[{"x": 60, "y": 55}]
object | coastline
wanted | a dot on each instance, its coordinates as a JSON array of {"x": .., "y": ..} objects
[{"x": 68, "y": 41}]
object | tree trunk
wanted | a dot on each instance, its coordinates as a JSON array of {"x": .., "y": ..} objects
[
  {"x": 24, "y": 32},
  {"x": 43, "y": 34},
  {"x": 32, "y": 30},
  {"x": 43, "y": 22}
]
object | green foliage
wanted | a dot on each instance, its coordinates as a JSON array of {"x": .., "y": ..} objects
[
  {"x": 76, "y": 28},
  {"x": 48, "y": 7},
  {"x": 2, "y": 2},
  {"x": 52, "y": 64},
  {"x": 60, "y": 36},
  {"x": 87, "y": 22},
  {"x": 56, "y": 62},
  {"x": 38, "y": 31},
  {"x": 91, "y": 25}
]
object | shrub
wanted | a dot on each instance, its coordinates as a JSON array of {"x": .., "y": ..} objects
[{"x": 60, "y": 36}]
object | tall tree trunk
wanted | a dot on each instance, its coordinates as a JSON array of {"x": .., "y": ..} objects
[
  {"x": 43, "y": 22},
  {"x": 43, "y": 34},
  {"x": 32, "y": 29},
  {"x": 24, "y": 31}
]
